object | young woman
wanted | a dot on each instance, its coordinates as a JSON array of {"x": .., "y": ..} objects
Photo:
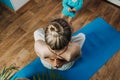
[{"x": 55, "y": 46}]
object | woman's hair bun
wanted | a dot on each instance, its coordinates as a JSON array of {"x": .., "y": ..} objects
[
  {"x": 53, "y": 31},
  {"x": 58, "y": 34}
]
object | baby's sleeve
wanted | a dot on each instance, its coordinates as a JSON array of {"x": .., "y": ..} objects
[
  {"x": 64, "y": 3},
  {"x": 79, "y": 6},
  {"x": 39, "y": 34}
]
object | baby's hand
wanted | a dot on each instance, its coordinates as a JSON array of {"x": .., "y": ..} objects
[
  {"x": 74, "y": 10},
  {"x": 69, "y": 9}
]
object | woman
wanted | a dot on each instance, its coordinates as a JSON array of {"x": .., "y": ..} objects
[{"x": 55, "y": 47}]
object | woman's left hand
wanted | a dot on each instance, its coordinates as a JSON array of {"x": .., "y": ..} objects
[{"x": 58, "y": 63}]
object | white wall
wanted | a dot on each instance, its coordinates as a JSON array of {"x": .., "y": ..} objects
[
  {"x": 17, "y": 4},
  {"x": 117, "y": 2}
]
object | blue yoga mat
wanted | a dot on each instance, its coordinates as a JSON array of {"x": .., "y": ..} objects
[{"x": 102, "y": 42}]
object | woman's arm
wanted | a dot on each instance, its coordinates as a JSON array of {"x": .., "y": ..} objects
[
  {"x": 40, "y": 52},
  {"x": 74, "y": 52}
]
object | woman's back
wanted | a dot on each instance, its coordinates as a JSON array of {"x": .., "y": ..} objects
[{"x": 70, "y": 53}]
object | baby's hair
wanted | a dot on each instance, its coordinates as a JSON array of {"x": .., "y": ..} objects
[{"x": 58, "y": 34}]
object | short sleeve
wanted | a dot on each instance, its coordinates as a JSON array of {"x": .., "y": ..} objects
[
  {"x": 80, "y": 39},
  {"x": 39, "y": 34},
  {"x": 64, "y": 3}
]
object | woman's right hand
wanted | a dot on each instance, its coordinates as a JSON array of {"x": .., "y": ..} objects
[{"x": 57, "y": 63}]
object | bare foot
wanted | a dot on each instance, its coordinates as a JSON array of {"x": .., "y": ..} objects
[
  {"x": 62, "y": 16},
  {"x": 70, "y": 20}
]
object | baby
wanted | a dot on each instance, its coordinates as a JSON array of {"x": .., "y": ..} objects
[{"x": 70, "y": 7}]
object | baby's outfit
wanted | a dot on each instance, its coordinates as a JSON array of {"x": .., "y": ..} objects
[{"x": 77, "y": 4}]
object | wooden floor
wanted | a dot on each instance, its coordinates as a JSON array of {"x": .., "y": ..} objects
[{"x": 16, "y": 31}]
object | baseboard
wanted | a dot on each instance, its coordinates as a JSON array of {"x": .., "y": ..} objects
[
  {"x": 6, "y": 7},
  {"x": 22, "y": 9},
  {"x": 111, "y": 3}
]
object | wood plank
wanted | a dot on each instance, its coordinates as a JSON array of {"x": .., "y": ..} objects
[
  {"x": 15, "y": 25},
  {"x": 37, "y": 17},
  {"x": 8, "y": 42}
]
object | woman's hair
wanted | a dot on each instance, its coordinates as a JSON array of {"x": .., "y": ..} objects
[{"x": 58, "y": 34}]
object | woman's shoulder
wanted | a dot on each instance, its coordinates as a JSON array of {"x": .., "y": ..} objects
[
  {"x": 74, "y": 45},
  {"x": 39, "y": 44},
  {"x": 74, "y": 48},
  {"x": 42, "y": 48}
]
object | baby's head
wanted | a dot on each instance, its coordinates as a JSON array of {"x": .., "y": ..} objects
[{"x": 58, "y": 34}]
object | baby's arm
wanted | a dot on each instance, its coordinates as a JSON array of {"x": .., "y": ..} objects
[{"x": 64, "y": 3}]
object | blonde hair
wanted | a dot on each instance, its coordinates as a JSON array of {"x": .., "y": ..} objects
[{"x": 58, "y": 34}]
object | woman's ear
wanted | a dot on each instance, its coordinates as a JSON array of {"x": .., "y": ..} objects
[{"x": 22, "y": 79}]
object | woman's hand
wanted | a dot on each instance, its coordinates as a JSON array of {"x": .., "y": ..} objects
[{"x": 57, "y": 63}]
